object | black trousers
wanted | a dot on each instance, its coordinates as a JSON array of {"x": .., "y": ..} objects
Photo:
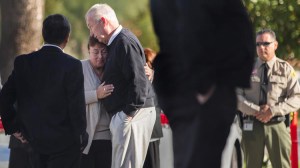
[
  {"x": 99, "y": 155},
  {"x": 152, "y": 158},
  {"x": 20, "y": 155},
  {"x": 69, "y": 158},
  {"x": 200, "y": 131},
  {"x": 20, "y": 158}
]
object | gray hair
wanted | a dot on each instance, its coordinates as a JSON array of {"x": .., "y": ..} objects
[
  {"x": 269, "y": 31},
  {"x": 102, "y": 10}
]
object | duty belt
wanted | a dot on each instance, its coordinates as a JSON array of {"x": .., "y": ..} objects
[{"x": 273, "y": 120}]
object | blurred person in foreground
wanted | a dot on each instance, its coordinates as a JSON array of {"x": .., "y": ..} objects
[
  {"x": 153, "y": 155},
  {"x": 131, "y": 103},
  {"x": 99, "y": 148},
  {"x": 206, "y": 52},
  {"x": 47, "y": 87},
  {"x": 274, "y": 93}
]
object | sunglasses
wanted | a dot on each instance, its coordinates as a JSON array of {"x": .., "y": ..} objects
[{"x": 265, "y": 44}]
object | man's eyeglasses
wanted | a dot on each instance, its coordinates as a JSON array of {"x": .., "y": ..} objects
[{"x": 265, "y": 44}]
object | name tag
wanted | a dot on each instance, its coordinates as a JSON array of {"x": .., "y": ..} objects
[{"x": 248, "y": 125}]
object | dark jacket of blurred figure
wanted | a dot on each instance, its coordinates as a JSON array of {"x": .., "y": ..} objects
[{"x": 206, "y": 49}]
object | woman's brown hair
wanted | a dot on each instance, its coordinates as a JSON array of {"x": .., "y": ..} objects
[{"x": 150, "y": 56}]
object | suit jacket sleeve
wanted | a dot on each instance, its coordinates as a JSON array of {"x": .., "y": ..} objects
[
  {"x": 75, "y": 97},
  {"x": 7, "y": 101}
]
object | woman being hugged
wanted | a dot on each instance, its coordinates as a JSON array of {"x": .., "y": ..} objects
[{"x": 98, "y": 151}]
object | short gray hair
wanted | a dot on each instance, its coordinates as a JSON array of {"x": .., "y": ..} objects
[
  {"x": 269, "y": 31},
  {"x": 102, "y": 10}
]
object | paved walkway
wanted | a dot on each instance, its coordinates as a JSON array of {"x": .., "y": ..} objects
[
  {"x": 165, "y": 149},
  {"x": 4, "y": 151}
]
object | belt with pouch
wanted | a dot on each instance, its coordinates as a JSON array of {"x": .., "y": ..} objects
[{"x": 273, "y": 120}]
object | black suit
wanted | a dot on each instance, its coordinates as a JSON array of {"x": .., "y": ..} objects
[
  {"x": 203, "y": 43},
  {"x": 48, "y": 88}
]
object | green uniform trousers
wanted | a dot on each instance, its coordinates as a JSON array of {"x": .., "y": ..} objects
[{"x": 276, "y": 138}]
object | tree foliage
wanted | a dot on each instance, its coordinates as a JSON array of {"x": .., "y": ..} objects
[
  {"x": 280, "y": 15},
  {"x": 283, "y": 16},
  {"x": 132, "y": 14}
]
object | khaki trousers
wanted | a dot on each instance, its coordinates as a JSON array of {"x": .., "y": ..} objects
[{"x": 131, "y": 137}]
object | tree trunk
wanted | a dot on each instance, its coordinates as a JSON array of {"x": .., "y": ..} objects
[{"x": 21, "y": 31}]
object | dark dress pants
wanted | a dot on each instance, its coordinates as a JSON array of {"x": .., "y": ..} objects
[
  {"x": 20, "y": 155},
  {"x": 68, "y": 158},
  {"x": 152, "y": 158},
  {"x": 200, "y": 131},
  {"x": 99, "y": 155},
  {"x": 20, "y": 158}
]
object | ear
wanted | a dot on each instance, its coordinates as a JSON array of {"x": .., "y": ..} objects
[
  {"x": 103, "y": 20},
  {"x": 67, "y": 38},
  {"x": 275, "y": 44},
  {"x": 63, "y": 45}
]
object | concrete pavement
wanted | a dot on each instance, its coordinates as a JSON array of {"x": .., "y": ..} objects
[
  {"x": 165, "y": 148},
  {"x": 4, "y": 151}
]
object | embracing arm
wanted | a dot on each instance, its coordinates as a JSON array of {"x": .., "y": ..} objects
[{"x": 93, "y": 96}]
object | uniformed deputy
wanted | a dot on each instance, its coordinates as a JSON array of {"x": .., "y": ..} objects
[{"x": 274, "y": 93}]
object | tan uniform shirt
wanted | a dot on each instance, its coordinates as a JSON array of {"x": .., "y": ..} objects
[{"x": 283, "y": 95}]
